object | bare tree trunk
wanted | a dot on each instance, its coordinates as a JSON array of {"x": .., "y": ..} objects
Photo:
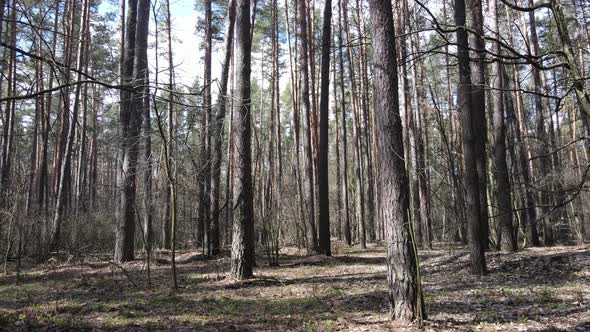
[
  {"x": 360, "y": 197},
  {"x": 242, "y": 253},
  {"x": 93, "y": 176},
  {"x": 64, "y": 177},
  {"x": 229, "y": 183},
  {"x": 43, "y": 180},
  {"x": 403, "y": 26},
  {"x": 544, "y": 162},
  {"x": 167, "y": 231},
  {"x": 503, "y": 192},
  {"x": 342, "y": 133},
  {"x": 420, "y": 149},
  {"x": 402, "y": 268},
  {"x": 295, "y": 116},
  {"x": 478, "y": 82},
  {"x": 37, "y": 126},
  {"x": 324, "y": 199},
  {"x": 367, "y": 125},
  {"x": 131, "y": 119},
  {"x": 308, "y": 178},
  {"x": 80, "y": 188},
  {"x": 471, "y": 181},
  {"x": 339, "y": 206},
  {"x": 524, "y": 154},
  {"x": 9, "y": 121},
  {"x": 217, "y": 135},
  {"x": 205, "y": 155}
]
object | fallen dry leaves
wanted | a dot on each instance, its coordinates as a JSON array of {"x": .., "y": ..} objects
[{"x": 537, "y": 289}]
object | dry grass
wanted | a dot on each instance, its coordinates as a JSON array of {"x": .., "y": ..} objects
[{"x": 535, "y": 289}]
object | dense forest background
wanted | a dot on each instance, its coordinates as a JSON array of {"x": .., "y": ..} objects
[{"x": 311, "y": 124}]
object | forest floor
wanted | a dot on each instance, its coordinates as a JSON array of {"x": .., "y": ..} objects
[{"x": 537, "y": 289}]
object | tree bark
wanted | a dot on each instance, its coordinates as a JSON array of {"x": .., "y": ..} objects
[
  {"x": 470, "y": 147},
  {"x": 206, "y": 134},
  {"x": 324, "y": 199},
  {"x": 503, "y": 190},
  {"x": 242, "y": 253},
  {"x": 478, "y": 83},
  {"x": 342, "y": 133},
  {"x": 544, "y": 162},
  {"x": 217, "y": 137},
  {"x": 131, "y": 120},
  {"x": 358, "y": 166},
  {"x": 65, "y": 167},
  {"x": 308, "y": 178},
  {"x": 402, "y": 271}
]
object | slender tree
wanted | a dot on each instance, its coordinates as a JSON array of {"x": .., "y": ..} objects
[
  {"x": 342, "y": 133},
  {"x": 503, "y": 192},
  {"x": 324, "y": 216},
  {"x": 217, "y": 138},
  {"x": 471, "y": 181},
  {"x": 62, "y": 189},
  {"x": 308, "y": 178}
]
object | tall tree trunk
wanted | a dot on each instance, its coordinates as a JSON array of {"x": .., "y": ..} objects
[
  {"x": 367, "y": 124},
  {"x": 64, "y": 176},
  {"x": 205, "y": 189},
  {"x": 339, "y": 206},
  {"x": 9, "y": 115},
  {"x": 167, "y": 231},
  {"x": 544, "y": 161},
  {"x": 39, "y": 109},
  {"x": 43, "y": 184},
  {"x": 342, "y": 133},
  {"x": 478, "y": 83},
  {"x": 402, "y": 269},
  {"x": 503, "y": 192},
  {"x": 308, "y": 178},
  {"x": 470, "y": 147},
  {"x": 358, "y": 171},
  {"x": 131, "y": 119},
  {"x": 217, "y": 136},
  {"x": 295, "y": 110},
  {"x": 524, "y": 154},
  {"x": 80, "y": 188},
  {"x": 420, "y": 149},
  {"x": 324, "y": 199},
  {"x": 242, "y": 253},
  {"x": 402, "y": 26}
]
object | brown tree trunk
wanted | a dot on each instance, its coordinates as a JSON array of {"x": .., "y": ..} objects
[
  {"x": 167, "y": 225},
  {"x": 358, "y": 171},
  {"x": 478, "y": 82},
  {"x": 308, "y": 178},
  {"x": 402, "y": 269},
  {"x": 324, "y": 199},
  {"x": 503, "y": 192},
  {"x": 65, "y": 167},
  {"x": 217, "y": 135},
  {"x": 544, "y": 161},
  {"x": 242, "y": 253},
  {"x": 131, "y": 120},
  {"x": 342, "y": 133},
  {"x": 206, "y": 134},
  {"x": 470, "y": 147}
]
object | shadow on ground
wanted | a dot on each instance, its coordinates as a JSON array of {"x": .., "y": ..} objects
[{"x": 534, "y": 289}]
